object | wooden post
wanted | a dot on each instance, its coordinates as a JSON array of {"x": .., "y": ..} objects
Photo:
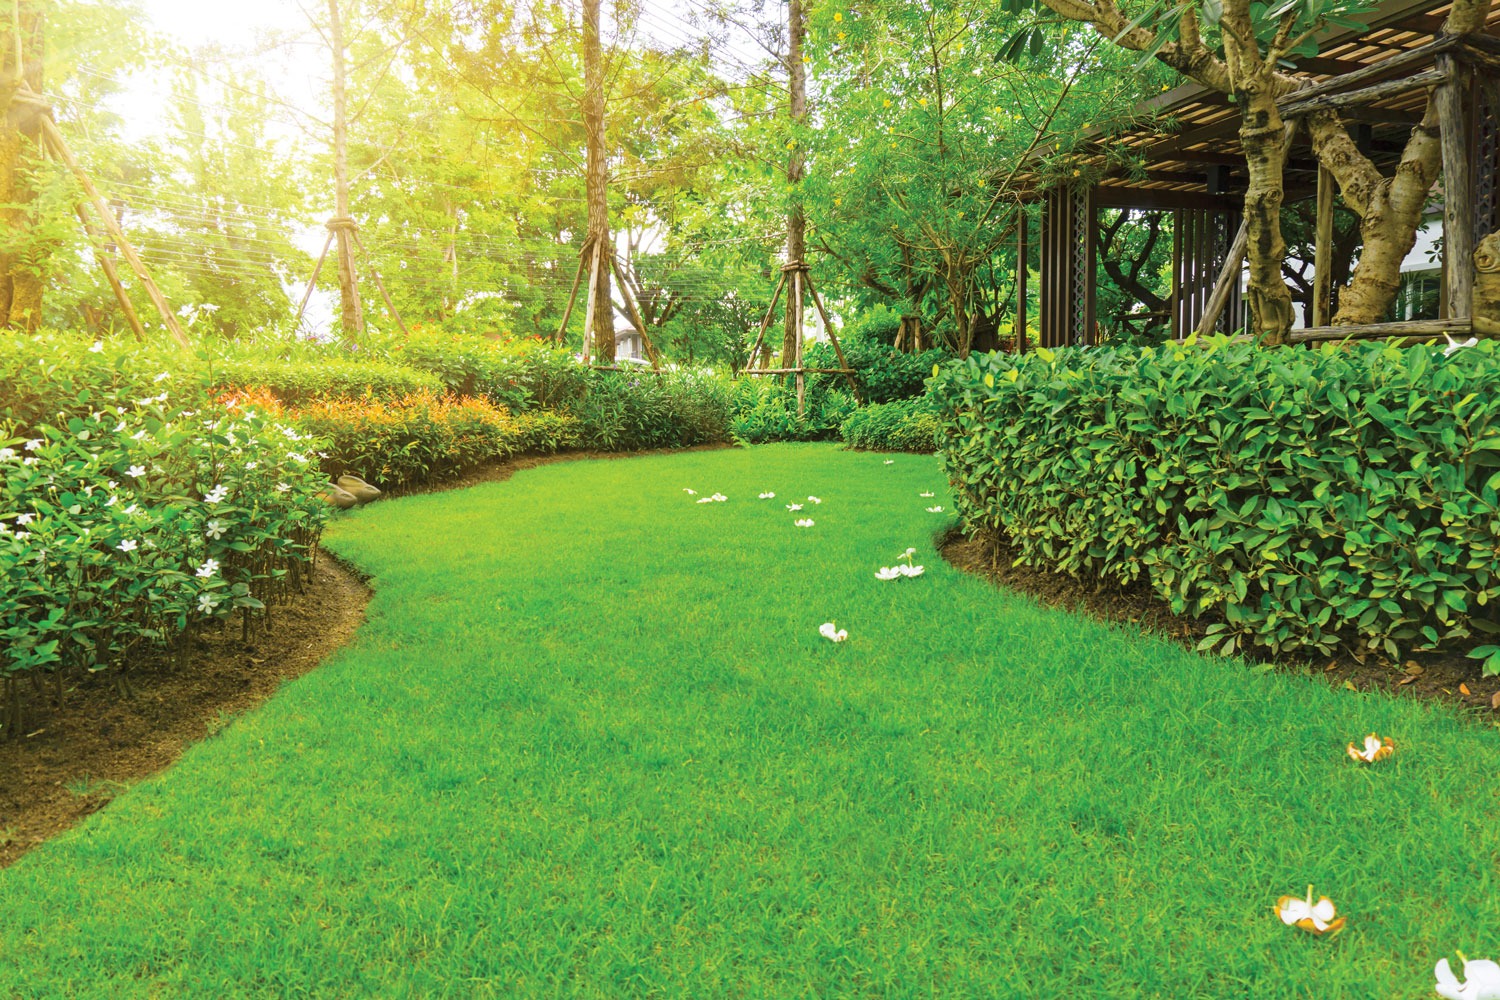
[
  {"x": 1021, "y": 276},
  {"x": 112, "y": 226},
  {"x": 352, "y": 314},
  {"x": 765, "y": 324},
  {"x": 1323, "y": 251},
  {"x": 834, "y": 338},
  {"x": 313, "y": 281},
  {"x": 380, "y": 284},
  {"x": 1458, "y": 186},
  {"x": 590, "y": 303},
  {"x": 111, "y": 274},
  {"x": 562, "y": 328},
  {"x": 1229, "y": 278},
  {"x": 596, "y": 186},
  {"x": 634, "y": 312},
  {"x": 794, "y": 301}
]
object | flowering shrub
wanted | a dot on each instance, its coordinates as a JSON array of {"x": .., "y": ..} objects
[
  {"x": 1343, "y": 495},
  {"x": 124, "y": 527},
  {"x": 421, "y": 437}
]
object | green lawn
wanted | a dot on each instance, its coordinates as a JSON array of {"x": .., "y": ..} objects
[{"x": 591, "y": 744}]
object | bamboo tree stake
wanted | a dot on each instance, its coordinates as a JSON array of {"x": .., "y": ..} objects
[
  {"x": 106, "y": 215},
  {"x": 380, "y": 283},
  {"x": 765, "y": 324},
  {"x": 588, "y": 313},
  {"x": 1323, "y": 250},
  {"x": 635, "y": 313},
  {"x": 562, "y": 328},
  {"x": 107, "y": 262},
  {"x": 313, "y": 281}
]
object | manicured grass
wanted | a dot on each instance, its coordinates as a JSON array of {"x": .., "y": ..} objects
[{"x": 590, "y": 744}]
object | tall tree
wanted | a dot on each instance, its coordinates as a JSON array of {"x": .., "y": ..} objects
[
  {"x": 351, "y": 312},
  {"x": 26, "y": 247},
  {"x": 601, "y": 308}
]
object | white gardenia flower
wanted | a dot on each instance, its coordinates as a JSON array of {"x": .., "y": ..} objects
[
  {"x": 805, "y": 522},
  {"x": 216, "y": 495},
  {"x": 97, "y": 347},
  {"x": 214, "y": 529},
  {"x": 34, "y": 444},
  {"x": 118, "y": 427},
  {"x": 768, "y": 496},
  {"x": 111, "y": 484},
  {"x": 935, "y": 510},
  {"x": 112, "y": 500},
  {"x": 6, "y": 454},
  {"x": 926, "y": 496},
  {"x": 691, "y": 493},
  {"x": 138, "y": 434},
  {"x": 832, "y": 633},
  {"x": 25, "y": 518},
  {"x": 705, "y": 499},
  {"x": 1481, "y": 981},
  {"x": 207, "y": 602},
  {"x": 813, "y": 500},
  {"x": 888, "y": 572},
  {"x": 209, "y": 568},
  {"x": 299, "y": 459},
  {"x": 162, "y": 377},
  {"x": 890, "y": 461},
  {"x": 794, "y": 506},
  {"x": 128, "y": 545},
  {"x": 251, "y": 465},
  {"x": 283, "y": 488},
  {"x": 133, "y": 509}
]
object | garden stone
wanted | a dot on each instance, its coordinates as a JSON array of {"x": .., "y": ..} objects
[
  {"x": 362, "y": 491},
  {"x": 340, "y": 498}
]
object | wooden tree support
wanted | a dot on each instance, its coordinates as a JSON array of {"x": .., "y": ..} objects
[
  {"x": 111, "y": 273},
  {"x": 379, "y": 282},
  {"x": 312, "y": 282},
  {"x": 634, "y": 312},
  {"x": 52, "y": 139},
  {"x": 800, "y": 280}
]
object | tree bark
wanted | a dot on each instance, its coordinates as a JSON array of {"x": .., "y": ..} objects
[
  {"x": 23, "y": 263},
  {"x": 796, "y": 222},
  {"x": 1486, "y": 303},
  {"x": 351, "y": 311},
  {"x": 596, "y": 190}
]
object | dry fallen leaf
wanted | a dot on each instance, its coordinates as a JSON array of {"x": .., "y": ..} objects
[
  {"x": 1405, "y": 680},
  {"x": 1415, "y": 669},
  {"x": 1332, "y": 665},
  {"x": 1495, "y": 701},
  {"x": 1350, "y": 686},
  {"x": 1463, "y": 689}
]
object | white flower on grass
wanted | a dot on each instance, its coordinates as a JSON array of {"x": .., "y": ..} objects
[
  {"x": 283, "y": 488},
  {"x": 890, "y": 461},
  {"x": 207, "y": 602},
  {"x": 705, "y": 499},
  {"x": 1481, "y": 980},
  {"x": 805, "y": 522},
  {"x": 97, "y": 347},
  {"x": 214, "y": 529},
  {"x": 136, "y": 471},
  {"x": 1374, "y": 749},
  {"x": 935, "y": 510},
  {"x": 216, "y": 495},
  {"x": 925, "y": 496},
  {"x": 1315, "y": 918},
  {"x": 718, "y": 498},
  {"x": 832, "y": 633},
  {"x": 691, "y": 493},
  {"x": 34, "y": 444},
  {"x": 887, "y": 572},
  {"x": 25, "y": 518},
  {"x": 794, "y": 506},
  {"x": 813, "y": 500},
  {"x": 768, "y": 496},
  {"x": 208, "y": 569},
  {"x": 908, "y": 569},
  {"x": 900, "y": 569},
  {"x": 128, "y": 545}
]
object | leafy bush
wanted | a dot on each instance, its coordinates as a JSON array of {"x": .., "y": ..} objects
[
  {"x": 764, "y": 408},
  {"x": 626, "y": 411},
  {"x": 882, "y": 373},
  {"x": 123, "y": 528},
  {"x": 1313, "y": 497},
  {"x": 297, "y": 383},
  {"x": 906, "y": 425},
  {"x": 422, "y": 437},
  {"x": 517, "y": 374}
]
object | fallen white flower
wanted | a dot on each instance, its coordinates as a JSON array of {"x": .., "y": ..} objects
[
  {"x": 831, "y": 633},
  {"x": 768, "y": 496},
  {"x": 926, "y": 496},
  {"x": 691, "y": 493},
  {"x": 888, "y": 572},
  {"x": 909, "y": 570},
  {"x": 935, "y": 510},
  {"x": 794, "y": 506},
  {"x": 890, "y": 461},
  {"x": 805, "y": 522},
  {"x": 718, "y": 498},
  {"x": 814, "y": 500},
  {"x": 1374, "y": 749},
  {"x": 1315, "y": 918},
  {"x": 705, "y": 499},
  {"x": 1481, "y": 980},
  {"x": 1455, "y": 345}
]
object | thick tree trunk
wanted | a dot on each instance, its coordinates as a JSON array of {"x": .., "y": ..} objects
[
  {"x": 1262, "y": 135},
  {"x": 1486, "y": 304},
  {"x": 22, "y": 268},
  {"x": 596, "y": 190},
  {"x": 351, "y": 311}
]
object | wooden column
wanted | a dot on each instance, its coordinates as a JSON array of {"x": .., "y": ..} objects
[
  {"x": 1066, "y": 261},
  {"x": 1022, "y": 253},
  {"x": 1458, "y": 185},
  {"x": 1323, "y": 251}
]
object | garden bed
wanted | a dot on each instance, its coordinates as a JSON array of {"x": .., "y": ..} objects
[
  {"x": 77, "y": 757},
  {"x": 1422, "y": 675}
]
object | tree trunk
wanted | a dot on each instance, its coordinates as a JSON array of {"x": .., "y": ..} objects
[
  {"x": 796, "y": 223},
  {"x": 23, "y": 265},
  {"x": 1486, "y": 307},
  {"x": 1262, "y": 135},
  {"x": 596, "y": 190},
  {"x": 351, "y": 312}
]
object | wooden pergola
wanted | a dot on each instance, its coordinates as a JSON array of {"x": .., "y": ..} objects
[{"x": 1378, "y": 79}]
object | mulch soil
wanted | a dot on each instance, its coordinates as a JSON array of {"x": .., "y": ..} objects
[
  {"x": 75, "y": 757},
  {"x": 1445, "y": 677}
]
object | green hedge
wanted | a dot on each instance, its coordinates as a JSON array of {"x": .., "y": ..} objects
[
  {"x": 1310, "y": 497},
  {"x": 297, "y": 383},
  {"x": 764, "y": 408},
  {"x": 905, "y": 425}
]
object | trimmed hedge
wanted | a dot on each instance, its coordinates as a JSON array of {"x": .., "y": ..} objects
[
  {"x": 1343, "y": 495},
  {"x": 297, "y": 383},
  {"x": 905, "y": 425}
]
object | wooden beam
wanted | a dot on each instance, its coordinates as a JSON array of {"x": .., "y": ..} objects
[
  {"x": 107, "y": 262},
  {"x": 833, "y": 338},
  {"x": 1302, "y": 104},
  {"x": 562, "y": 328},
  {"x": 1390, "y": 66},
  {"x": 635, "y": 313},
  {"x": 765, "y": 323},
  {"x": 59, "y": 146},
  {"x": 1147, "y": 198},
  {"x": 1022, "y": 254},
  {"x": 312, "y": 281},
  {"x": 1423, "y": 328},
  {"x": 1323, "y": 251}
]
